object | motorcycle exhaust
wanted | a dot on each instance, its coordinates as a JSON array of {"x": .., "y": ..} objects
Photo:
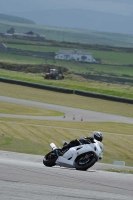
[{"x": 53, "y": 146}]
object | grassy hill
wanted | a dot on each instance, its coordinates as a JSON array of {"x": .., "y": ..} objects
[
  {"x": 71, "y": 35},
  {"x": 16, "y": 19}
]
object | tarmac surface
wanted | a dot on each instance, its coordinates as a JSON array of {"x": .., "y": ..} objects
[
  {"x": 24, "y": 177},
  {"x": 70, "y": 113}
]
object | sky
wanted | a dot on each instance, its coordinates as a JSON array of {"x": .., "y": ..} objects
[
  {"x": 122, "y": 7},
  {"x": 100, "y": 15}
]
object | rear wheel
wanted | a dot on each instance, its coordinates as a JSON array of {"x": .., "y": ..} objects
[
  {"x": 85, "y": 161},
  {"x": 50, "y": 159}
]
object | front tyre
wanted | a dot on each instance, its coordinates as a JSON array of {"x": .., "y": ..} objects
[
  {"x": 85, "y": 161},
  {"x": 50, "y": 159}
]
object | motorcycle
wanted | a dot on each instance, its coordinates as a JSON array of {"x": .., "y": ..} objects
[{"x": 80, "y": 157}]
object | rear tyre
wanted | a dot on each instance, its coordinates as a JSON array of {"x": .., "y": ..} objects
[
  {"x": 85, "y": 161},
  {"x": 50, "y": 159}
]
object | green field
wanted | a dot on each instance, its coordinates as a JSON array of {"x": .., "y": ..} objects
[
  {"x": 107, "y": 57},
  {"x": 37, "y": 48},
  {"x": 73, "y": 82},
  {"x": 80, "y": 36},
  {"x": 34, "y": 136},
  {"x": 11, "y": 58},
  {"x": 23, "y": 42},
  {"x": 115, "y": 63},
  {"x": 81, "y": 68}
]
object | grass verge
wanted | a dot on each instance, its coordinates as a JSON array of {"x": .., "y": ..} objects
[
  {"x": 120, "y": 171},
  {"x": 10, "y": 108}
]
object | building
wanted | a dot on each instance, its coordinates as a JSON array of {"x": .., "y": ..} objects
[
  {"x": 75, "y": 55},
  {"x": 11, "y": 30},
  {"x": 8, "y": 35},
  {"x": 3, "y": 47},
  {"x": 29, "y": 35}
]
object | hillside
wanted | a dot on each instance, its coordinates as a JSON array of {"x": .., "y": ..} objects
[
  {"x": 16, "y": 19},
  {"x": 71, "y": 35},
  {"x": 113, "y": 16},
  {"x": 81, "y": 19}
]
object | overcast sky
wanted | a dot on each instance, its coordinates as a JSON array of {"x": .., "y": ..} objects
[
  {"x": 122, "y": 7},
  {"x": 101, "y": 15}
]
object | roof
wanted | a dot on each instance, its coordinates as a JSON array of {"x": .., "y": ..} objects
[
  {"x": 30, "y": 33},
  {"x": 8, "y": 34},
  {"x": 23, "y": 35}
]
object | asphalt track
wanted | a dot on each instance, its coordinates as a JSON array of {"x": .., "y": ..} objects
[
  {"x": 24, "y": 177},
  {"x": 70, "y": 113}
]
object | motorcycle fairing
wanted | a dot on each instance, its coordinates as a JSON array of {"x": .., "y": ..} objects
[{"x": 69, "y": 157}]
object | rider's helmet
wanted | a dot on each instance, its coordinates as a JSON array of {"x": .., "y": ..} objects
[{"x": 97, "y": 136}]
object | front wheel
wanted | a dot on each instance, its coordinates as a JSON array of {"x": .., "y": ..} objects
[
  {"x": 50, "y": 159},
  {"x": 85, "y": 161}
]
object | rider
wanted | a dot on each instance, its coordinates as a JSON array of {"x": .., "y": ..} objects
[{"x": 85, "y": 140}]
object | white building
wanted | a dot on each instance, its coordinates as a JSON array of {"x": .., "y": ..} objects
[
  {"x": 24, "y": 36},
  {"x": 75, "y": 55}
]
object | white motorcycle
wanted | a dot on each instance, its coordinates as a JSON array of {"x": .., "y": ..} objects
[{"x": 80, "y": 157}]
